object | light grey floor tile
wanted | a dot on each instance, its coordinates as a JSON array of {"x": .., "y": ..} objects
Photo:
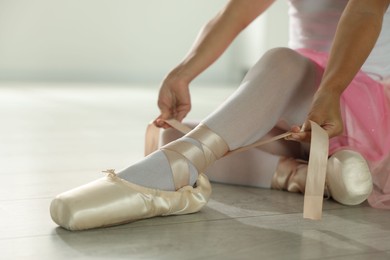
[
  {"x": 54, "y": 138},
  {"x": 223, "y": 239}
]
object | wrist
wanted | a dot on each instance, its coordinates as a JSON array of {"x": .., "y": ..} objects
[
  {"x": 333, "y": 90},
  {"x": 181, "y": 75}
]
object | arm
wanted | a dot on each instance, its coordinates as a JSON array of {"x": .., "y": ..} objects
[
  {"x": 212, "y": 41},
  {"x": 218, "y": 34},
  {"x": 356, "y": 34}
]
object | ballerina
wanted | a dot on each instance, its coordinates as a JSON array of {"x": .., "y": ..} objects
[{"x": 332, "y": 74}]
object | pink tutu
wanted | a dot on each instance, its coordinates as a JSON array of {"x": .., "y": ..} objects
[{"x": 365, "y": 106}]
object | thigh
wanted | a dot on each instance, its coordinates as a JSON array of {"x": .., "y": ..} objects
[{"x": 279, "y": 86}]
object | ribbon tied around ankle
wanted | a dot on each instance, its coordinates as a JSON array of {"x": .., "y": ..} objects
[{"x": 316, "y": 173}]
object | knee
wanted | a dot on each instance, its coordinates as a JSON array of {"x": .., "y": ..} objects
[
  {"x": 285, "y": 57},
  {"x": 283, "y": 61},
  {"x": 281, "y": 51}
]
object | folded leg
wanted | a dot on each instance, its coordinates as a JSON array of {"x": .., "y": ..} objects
[
  {"x": 254, "y": 167},
  {"x": 276, "y": 93}
]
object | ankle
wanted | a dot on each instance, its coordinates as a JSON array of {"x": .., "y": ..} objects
[{"x": 213, "y": 146}]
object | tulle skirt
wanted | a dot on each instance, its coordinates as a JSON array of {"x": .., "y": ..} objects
[{"x": 365, "y": 106}]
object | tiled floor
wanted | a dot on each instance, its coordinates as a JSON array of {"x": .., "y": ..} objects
[{"x": 53, "y": 138}]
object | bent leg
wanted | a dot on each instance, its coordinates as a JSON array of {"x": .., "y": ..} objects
[
  {"x": 250, "y": 168},
  {"x": 279, "y": 87}
]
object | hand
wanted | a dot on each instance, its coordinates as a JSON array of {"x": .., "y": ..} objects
[
  {"x": 174, "y": 100},
  {"x": 325, "y": 111}
]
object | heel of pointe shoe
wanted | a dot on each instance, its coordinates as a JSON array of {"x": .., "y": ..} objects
[
  {"x": 348, "y": 177},
  {"x": 290, "y": 175}
]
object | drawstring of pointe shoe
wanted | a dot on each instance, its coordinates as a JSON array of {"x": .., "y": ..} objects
[{"x": 110, "y": 172}]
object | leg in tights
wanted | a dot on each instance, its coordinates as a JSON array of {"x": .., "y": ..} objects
[
  {"x": 250, "y": 168},
  {"x": 280, "y": 86},
  {"x": 276, "y": 93}
]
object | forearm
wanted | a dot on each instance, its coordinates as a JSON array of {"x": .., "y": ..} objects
[
  {"x": 357, "y": 32},
  {"x": 217, "y": 35}
]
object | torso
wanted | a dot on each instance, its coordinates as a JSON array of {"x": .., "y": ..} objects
[{"x": 313, "y": 24}]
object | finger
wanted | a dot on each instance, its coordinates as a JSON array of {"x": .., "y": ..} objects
[
  {"x": 300, "y": 137},
  {"x": 306, "y": 127},
  {"x": 182, "y": 109},
  {"x": 305, "y": 137},
  {"x": 165, "y": 105},
  {"x": 166, "y": 112},
  {"x": 295, "y": 129},
  {"x": 182, "y": 113},
  {"x": 159, "y": 122},
  {"x": 301, "y": 134}
]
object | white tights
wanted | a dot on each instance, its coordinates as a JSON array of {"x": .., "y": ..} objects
[{"x": 276, "y": 93}]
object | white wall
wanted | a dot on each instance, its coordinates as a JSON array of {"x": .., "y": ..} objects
[
  {"x": 118, "y": 40},
  {"x": 268, "y": 31}
]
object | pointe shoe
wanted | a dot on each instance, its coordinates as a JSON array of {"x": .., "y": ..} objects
[
  {"x": 290, "y": 175},
  {"x": 112, "y": 201},
  {"x": 348, "y": 178}
]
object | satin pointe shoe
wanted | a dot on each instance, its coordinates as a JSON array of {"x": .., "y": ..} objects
[
  {"x": 111, "y": 201},
  {"x": 348, "y": 178}
]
